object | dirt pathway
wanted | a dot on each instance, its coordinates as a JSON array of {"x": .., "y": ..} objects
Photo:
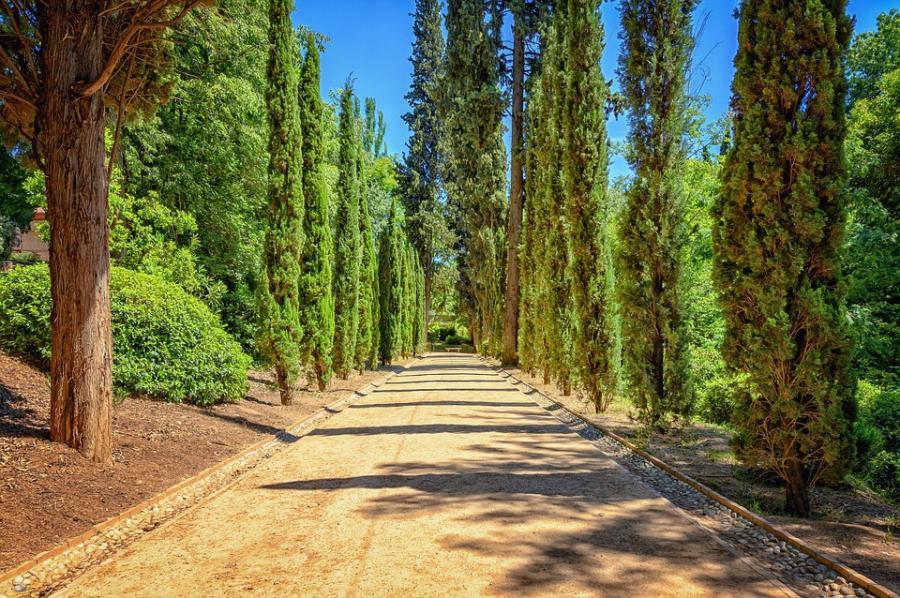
[{"x": 445, "y": 481}]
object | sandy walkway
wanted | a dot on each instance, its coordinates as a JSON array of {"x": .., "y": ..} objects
[{"x": 446, "y": 481}]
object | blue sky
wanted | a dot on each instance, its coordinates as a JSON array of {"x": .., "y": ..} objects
[{"x": 371, "y": 40}]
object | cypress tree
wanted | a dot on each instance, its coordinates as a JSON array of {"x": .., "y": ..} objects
[
  {"x": 315, "y": 284},
  {"x": 367, "y": 275},
  {"x": 778, "y": 226},
  {"x": 390, "y": 288},
  {"x": 476, "y": 165},
  {"x": 585, "y": 174},
  {"x": 279, "y": 294},
  {"x": 652, "y": 68},
  {"x": 347, "y": 239},
  {"x": 422, "y": 162}
]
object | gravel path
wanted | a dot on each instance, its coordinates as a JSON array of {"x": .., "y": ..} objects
[{"x": 447, "y": 480}]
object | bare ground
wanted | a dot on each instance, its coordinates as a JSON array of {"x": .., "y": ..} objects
[
  {"x": 850, "y": 525},
  {"x": 445, "y": 481},
  {"x": 49, "y": 493}
]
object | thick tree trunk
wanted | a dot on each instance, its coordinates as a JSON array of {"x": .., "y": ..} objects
[
  {"x": 796, "y": 490},
  {"x": 514, "y": 226},
  {"x": 285, "y": 390},
  {"x": 72, "y": 145}
]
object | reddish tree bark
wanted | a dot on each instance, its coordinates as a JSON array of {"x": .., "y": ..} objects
[{"x": 72, "y": 139}]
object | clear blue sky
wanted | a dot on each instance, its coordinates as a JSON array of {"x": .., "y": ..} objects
[{"x": 371, "y": 40}]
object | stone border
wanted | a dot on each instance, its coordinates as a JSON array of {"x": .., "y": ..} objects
[
  {"x": 793, "y": 555},
  {"x": 50, "y": 570}
]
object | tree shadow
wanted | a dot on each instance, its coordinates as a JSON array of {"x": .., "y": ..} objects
[
  {"x": 17, "y": 419},
  {"x": 439, "y": 429},
  {"x": 570, "y": 518},
  {"x": 429, "y": 390},
  {"x": 445, "y": 404}
]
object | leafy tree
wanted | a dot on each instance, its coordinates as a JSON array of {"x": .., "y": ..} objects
[
  {"x": 657, "y": 47},
  {"x": 873, "y": 55},
  {"x": 64, "y": 62},
  {"x": 315, "y": 285},
  {"x": 347, "y": 239},
  {"x": 584, "y": 170},
  {"x": 205, "y": 151},
  {"x": 374, "y": 130},
  {"x": 778, "y": 229},
  {"x": 281, "y": 330},
  {"x": 475, "y": 155}
]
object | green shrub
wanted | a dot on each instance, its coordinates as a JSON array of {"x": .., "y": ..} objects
[
  {"x": 884, "y": 474},
  {"x": 880, "y": 408},
  {"x": 715, "y": 386},
  {"x": 166, "y": 343},
  {"x": 455, "y": 340}
]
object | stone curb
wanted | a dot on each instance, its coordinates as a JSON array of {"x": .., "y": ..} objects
[
  {"x": 851, "y": 575},
  {"x": 18, "y": 579}
]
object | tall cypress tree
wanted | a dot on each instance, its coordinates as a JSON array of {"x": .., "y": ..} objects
[
  {"x": 585, "y": 173},
  {"x": 367, "y": 274},
  {"x": 475, "y": 164},
  {"x": 279, "y": 295},
  {"x": 652, "y": 68},
  {"x": 315, "y": 284},
  {"x": 778, "y": 229},
  {"x": 347, "y": 238},
  {"x": 390, "y": 287},
  {"x": 422, "y": 162}
]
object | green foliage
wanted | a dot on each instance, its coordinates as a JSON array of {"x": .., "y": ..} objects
[
  {"x": 777, "y": 244},
  {"x": 317, "y": 300},
  {"x": 472, "y": 106},
  {"x": 348, "y": 248},
  {"x": 586, "y": 211},
  {"x": 204, "y": 151},
  {"x": 884, "y": 474},
  {"x": 873, "y": 248},
  {"x": 281, "y": 330},
  {"x": 872, "y": 55},
  {"x": 166, "y": 344},
  {"x": 368, "y": 272},
  {"x": 422, "y": 162},
  {"x": 545, "y": 320},
  {"x": 657, "y": 47}
]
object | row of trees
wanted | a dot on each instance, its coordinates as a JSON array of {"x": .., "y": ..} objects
[
  {"x": 185, "y": 99},
  {"x": 608, "y": 286}
]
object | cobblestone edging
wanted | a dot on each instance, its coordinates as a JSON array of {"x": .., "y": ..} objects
[
  {"x": 51, "y": 570},
  {"x": 786, "y": 562}
]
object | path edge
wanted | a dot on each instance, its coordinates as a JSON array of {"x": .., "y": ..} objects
[
  {"x": 850, "y": 574},
  {"x": 8, "y": 577}
]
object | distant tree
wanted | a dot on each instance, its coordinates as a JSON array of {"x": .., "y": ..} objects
[
  {"x": 315, "y": 286},
  {"x": 652, "y": 67},
  {"x": 374, "y": 130},
  {"x": 281, "y": 330},
  {"x": 64, "y": 63},
  {"x": 778, "y": 229},
  {"x": 348, "y": 249},
  {"x": 390, "y": 286},
  {"x": 586, "y": 211}
]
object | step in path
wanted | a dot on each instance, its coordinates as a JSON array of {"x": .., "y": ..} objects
[{"x": 447, "y": 480}]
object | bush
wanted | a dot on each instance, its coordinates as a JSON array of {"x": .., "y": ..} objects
[
  {"x": 884, "y": 474},
  {"x": 166, "y": 343},
  {"x": 455, "y": 340}
]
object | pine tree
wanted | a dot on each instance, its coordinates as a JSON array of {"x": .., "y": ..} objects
[
  {"x": 422, "y": 162},
  {"x": 778, "y": 229},
  {"x": 476, "y": 165},
  {"x": 348, "y": 249},
  {"x": 279, "y": 295},
  {"x": 315, "y": 285},
  {"x": 585, "y": 174},
  {"x": 652, "y": 67}
]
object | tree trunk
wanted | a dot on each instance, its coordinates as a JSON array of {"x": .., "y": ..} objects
[
  {"x": 72, "y": 146},
  {"x": 284, "y": 388},
  {"x": 796, "y": 490},
  {"x": 514, "y": 225}
]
